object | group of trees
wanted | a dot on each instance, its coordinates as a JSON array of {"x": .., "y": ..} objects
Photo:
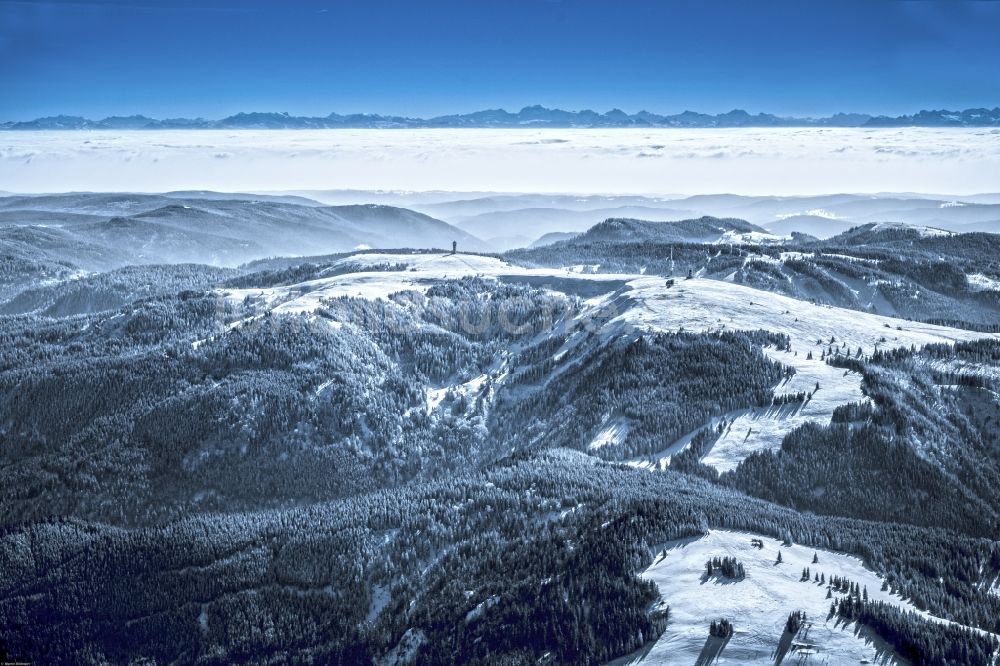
[
  {"x": 863, "y": 472},
  {"x": 790, "y": 398},
  {"x": 537, "y": 555},
  {"x": 849, "y": 587},
  {"x": 688, "y": 459},
  {"x": 102, "y": 292},
  {"x": 662, "y": 386},
  {"x": 191, "y": 402},
  {"x": 920, "y": 641},
  {"x": 795, "y": 621},
  {"x": 721, "y": 629},
  {"x": 727, "y": 566}
]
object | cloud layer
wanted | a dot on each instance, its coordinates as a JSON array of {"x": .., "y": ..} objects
[{"x": 745, "y": 161}]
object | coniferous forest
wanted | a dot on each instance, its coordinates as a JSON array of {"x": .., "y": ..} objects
[{"x": 413, "y": 457}]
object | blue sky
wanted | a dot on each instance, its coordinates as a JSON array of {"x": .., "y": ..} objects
[{"x": 412, "y": 57}]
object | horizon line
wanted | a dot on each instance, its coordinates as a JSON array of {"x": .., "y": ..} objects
[{"x": 615, "y": 113}]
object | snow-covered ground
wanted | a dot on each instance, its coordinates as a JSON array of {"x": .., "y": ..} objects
[
  {"x": 758, "y": 605},
  {"x": 749, "y": 430},
  {"x": 614, "y": 431},
  {"x": 809, "y": 255},
  {"x": 469, "y": 389},
  {"x": 645, "y": 303},
  {"x": 925, "y": 232},
  {"x": 980, "y": 282},
  {"x": 757, "y": 429},
  {"x": 421, "y": 271},
  {"x": 760, "y": 238},
  {"x": 961, "y": 367},
  {"x": 711, "y": 305}
]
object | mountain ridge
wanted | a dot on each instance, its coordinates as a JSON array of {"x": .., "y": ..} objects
[{"x": 529, "y": 116}]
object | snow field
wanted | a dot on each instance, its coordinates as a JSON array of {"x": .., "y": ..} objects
[
  {"x": 711, "y": 305},
  {"x": 758, "y": 605}
]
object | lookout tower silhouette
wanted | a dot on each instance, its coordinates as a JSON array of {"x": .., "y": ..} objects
[{"x": 454, "y": 247}]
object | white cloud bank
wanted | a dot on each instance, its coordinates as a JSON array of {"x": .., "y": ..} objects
[{"x": 662, "y": 161}]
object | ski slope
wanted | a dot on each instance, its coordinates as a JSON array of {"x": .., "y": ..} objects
[
  {"x": 616, "y": 303},
  {"x": 758, "y": 605},
  {"x": 756, "y": 429},
  {"x": 710, "y": 305}
]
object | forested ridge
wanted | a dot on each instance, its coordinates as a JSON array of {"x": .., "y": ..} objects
[
  {"x": 558, "y": 523},
  {"x": 886, "y": 270}
]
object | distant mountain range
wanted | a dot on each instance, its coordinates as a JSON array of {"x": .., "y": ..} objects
[
  {"x": 48, "y": 237},
  {"x": 529, "y": 116}
]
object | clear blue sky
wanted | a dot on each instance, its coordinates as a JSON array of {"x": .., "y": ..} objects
[{"x": 210, "y": 58}]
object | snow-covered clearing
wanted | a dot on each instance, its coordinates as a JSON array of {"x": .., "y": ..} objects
[
  {"x": 470, "y": 388},
  {"x": 819, "y": 255},
  {"x": 758, "y": 605},
  {"x": 758, "y": 429},
  {"x": 583, "y": 268},
  {"x": 713, "y": 305},
  {"x": 960, "y": 367},
  {"x": 925, "y": 232},
  {"x": 760, "y": 238},
  {"x": 615, "y": 431},
  {"x": 980, "y": 282},
  {"x": 421, "y": 272}
]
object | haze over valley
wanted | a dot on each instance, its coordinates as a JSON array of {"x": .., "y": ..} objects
[{"x": 759, "y": 161}]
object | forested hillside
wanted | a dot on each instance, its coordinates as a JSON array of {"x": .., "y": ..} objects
[
  {"x": 885, "y": 269},
  {"x": 51, "y": 237},
  {"x": 427, "y": 457}
]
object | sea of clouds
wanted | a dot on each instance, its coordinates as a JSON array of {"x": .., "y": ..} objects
[{"x": 783, "y": 161}]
